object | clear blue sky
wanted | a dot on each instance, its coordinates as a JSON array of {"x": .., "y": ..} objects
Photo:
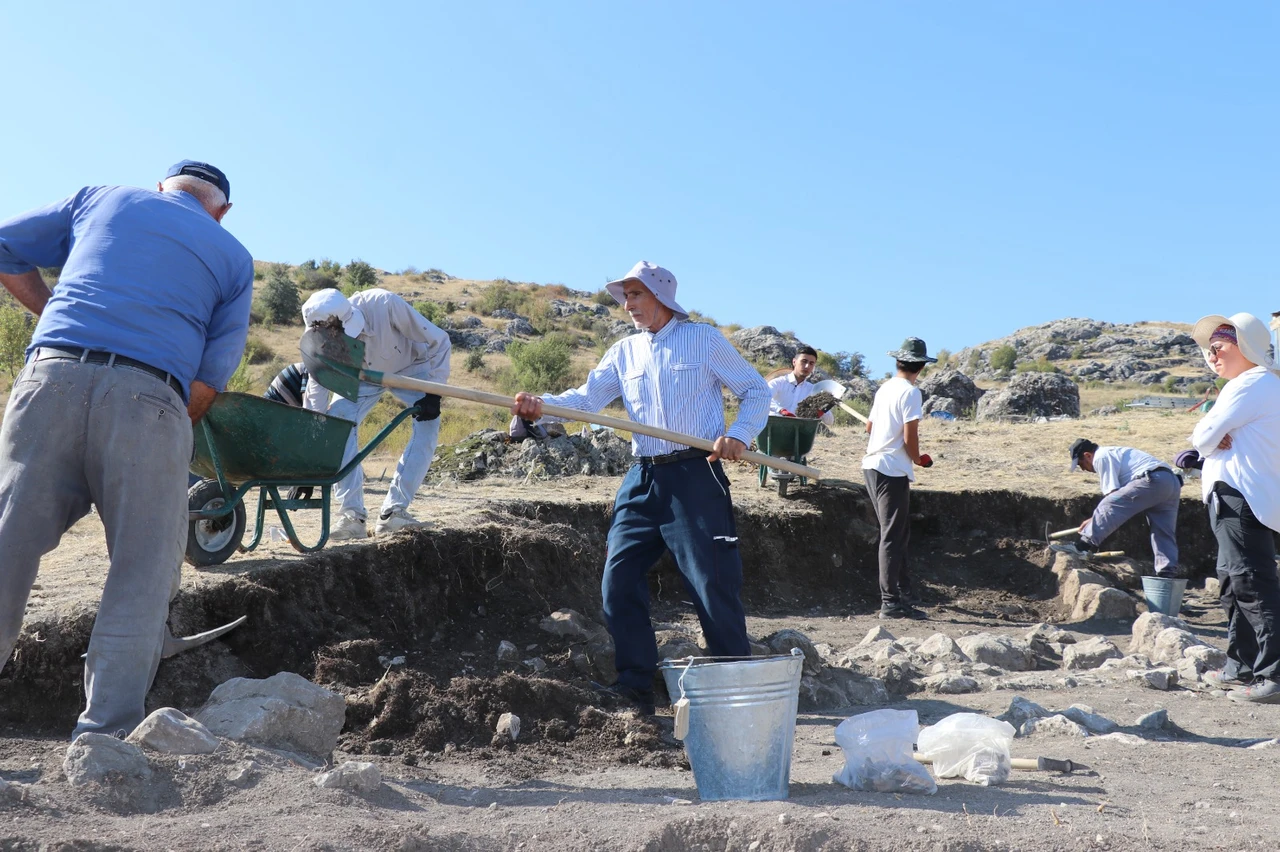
[{"x": 855, "y": 172}]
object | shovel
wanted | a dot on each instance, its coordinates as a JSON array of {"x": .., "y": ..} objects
[
  {"x": 838, "y": 391},
  {"x": 1030, "y": 764},
  {"x": 1050, "y": 537},
  {"x": 336, "y": 361}
]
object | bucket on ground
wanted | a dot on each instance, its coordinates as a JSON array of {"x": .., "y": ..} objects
[
  {"x": 1163, "y": 595},
  {"x": 741, "y": 722}
]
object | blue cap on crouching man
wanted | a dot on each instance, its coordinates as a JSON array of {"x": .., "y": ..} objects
[{"x": 204, "y": 171}]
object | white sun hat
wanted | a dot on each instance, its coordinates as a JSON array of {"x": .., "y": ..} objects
[
  {"x": 661, "y": 283},
  {"x": 329, "y": 303},
  {"x": 1252, "y": 336}
]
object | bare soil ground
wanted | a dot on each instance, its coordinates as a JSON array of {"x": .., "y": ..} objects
[{"x": 584, "y": 775}]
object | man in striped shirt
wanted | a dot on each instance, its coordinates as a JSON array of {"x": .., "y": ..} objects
[{"x": 674, "y": 498}]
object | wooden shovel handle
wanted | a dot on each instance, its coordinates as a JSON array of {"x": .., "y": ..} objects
[{"x": 391, "y": 380}]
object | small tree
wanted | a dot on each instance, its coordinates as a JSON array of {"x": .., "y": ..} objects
[
  {"x": 1004, "y": 357},
  {"x": 358, "y": 276},
  {"x": 475, "y": 361},
  {"x": 540, "y": 365},
  {"x": 434, "y": 312},
  {"x": 280, "y": 301}
]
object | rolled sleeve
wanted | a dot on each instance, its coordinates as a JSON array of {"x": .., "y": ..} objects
[
  {"x": 40, "y": 237},
  {"x": 226, "y": 334}
]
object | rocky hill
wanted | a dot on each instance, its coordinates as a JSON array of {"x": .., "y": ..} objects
[{"x": 1145, "y": 353}]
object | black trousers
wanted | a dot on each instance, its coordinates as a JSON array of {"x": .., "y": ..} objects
[
  {"x": 1250, "y": 586},
  {"x": 892, "y": 498}
]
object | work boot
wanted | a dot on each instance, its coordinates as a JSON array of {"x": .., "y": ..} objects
[
  {"x": 640, "y": 700},
  {"x": 1261, "y": 691},
  {"x": 395, "y": 520},
  {"x": 902, "y": 610},
  {"x": 351, "y": 527}
]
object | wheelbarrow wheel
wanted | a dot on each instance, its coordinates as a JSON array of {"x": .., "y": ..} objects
[
  {"x": 782, "y": 487},
  {"x": 211, "y": 542}
]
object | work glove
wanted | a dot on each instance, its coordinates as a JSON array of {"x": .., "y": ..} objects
[
  {"x": 785, "y": 413},
  {"x": 428, "y": 407},
  {"x": 925, "y": 460}
]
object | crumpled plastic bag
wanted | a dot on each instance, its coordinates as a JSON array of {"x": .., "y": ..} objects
[
  {"x": 969, "y": 746},
  {"x": 878, "y": 753}
]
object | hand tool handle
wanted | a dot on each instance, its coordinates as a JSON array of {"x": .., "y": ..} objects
[
  {"x": 392, "y": 380},
  {"x": 851, "y": 410},
  {"x": 1063, "y": 533}
]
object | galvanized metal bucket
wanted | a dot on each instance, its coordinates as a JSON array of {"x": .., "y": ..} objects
[
  {"x": 741, "y": 722},
  {"x": 1163, "y": 595}
]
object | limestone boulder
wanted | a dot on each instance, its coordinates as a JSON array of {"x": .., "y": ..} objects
[
  {"x": 284, "y": 711},
  {"x": 1010, "y": 654}
]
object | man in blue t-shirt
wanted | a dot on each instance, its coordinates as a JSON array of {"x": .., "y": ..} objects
[{"x": 147, "y": 323}]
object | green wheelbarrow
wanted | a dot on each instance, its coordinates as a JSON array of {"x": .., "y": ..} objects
[
  {"x": 245, "y": 442},
  {"x": 786, "y": 438}
]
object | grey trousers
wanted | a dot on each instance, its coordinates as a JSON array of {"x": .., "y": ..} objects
[
  {"x": 1156, "y": 494},
  {"x": 892, "y": 498},
  {"x": 80, "y": 434}
]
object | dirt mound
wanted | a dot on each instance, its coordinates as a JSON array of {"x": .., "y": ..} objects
[
  {"x": 492, "y": 453},
  {"x": 409, "y": 714},
  {"x": 815, "y": 404}
]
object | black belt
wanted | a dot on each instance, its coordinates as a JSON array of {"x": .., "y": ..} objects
[
  {"x": 683, "y": 455},
  {"x": 87, "y": 356},
  {"x": 1146, "y": 474}
]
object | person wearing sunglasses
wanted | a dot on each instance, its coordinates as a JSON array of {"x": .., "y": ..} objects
[{"x": 1239, "y": 439}]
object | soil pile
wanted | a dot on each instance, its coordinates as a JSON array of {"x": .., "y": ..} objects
[
  {"x": 492, "y": 453},
  {"x": 815, "y": 405}
]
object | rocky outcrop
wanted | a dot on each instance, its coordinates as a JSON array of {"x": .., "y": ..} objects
[
  {"x": 766, "y": 345},
  {"x": 949, "y": 391},
  {"x": 1032, "y": 395}
]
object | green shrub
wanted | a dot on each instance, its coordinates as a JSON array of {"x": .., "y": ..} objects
[
  {"x": 358, "y": 276},
  {"x": 498, "y": 295},
  {"x": 541, "y": 365},
  {"x": 256, "y": 351},
  {"x": 433, "y": 311},
  {"x": 1199, "y": 388},
  {"x": 1170, "y": 384},
  {"x": 1040, "y": 365},
  {"x": 241, "y": 380},
  {"x": 280, "y": 302},
  {"x": 842, "y": 365},
  {"x": 944, "y": 358},
  {"x": 604, "y": 297},
  {"x": 1077, "y": 354},
  {"x": 313, "y": 276},
  {"x": 1004, "y": 357},
  {"x": 16, "y": 326},
  {"x": 475, "y": 361}
]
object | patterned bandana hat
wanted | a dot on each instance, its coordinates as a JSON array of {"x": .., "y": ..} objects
[{"x": 1224, "y": 332}]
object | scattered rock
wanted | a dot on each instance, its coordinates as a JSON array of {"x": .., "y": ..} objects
[
  {"x": 508, "y": 652},
  {"x": 874, "y": 635},
  {"x": 765, "y": 344},
  {"x": 1147, "y": 627},
  {"x": 1122, "y": 738},
  {"x": 536, "y": 664},
  {"x": 1171, "y": 643},
  {"x": 1050, "y": 633},
  {"x": 283, "y": 711},
  {"x": 836, "y": 689},
  {"x": 508, "y": 726},
  {"x": 1091, "y": 721},
  {"x": 569, "y": 623},
  {"x": 677, "y": 645},
  {"x": 1010, "y": 654},
  {"x": 1022, "y": 711},
  {"x": 1212, "y": 587},
  {"x": 1056, "y": 725},
  {"x": 940, "y": 646},
  {"x": 242, "y": 772},
  {"x": 102, "y": 759},
  {"x": 355, "y": 777},
  {"x": 1205, "y": 658},
  {"x": 1105, "y": 604},
  {"x": 1162, "y": 678},
  {"x": 1156, "y": 720},
  {"x": 173, "y": 732},
  {"x": 952, "y": 683},
  {"x": 1089, "y": 654},
  {"x": 783, "y": 641}
]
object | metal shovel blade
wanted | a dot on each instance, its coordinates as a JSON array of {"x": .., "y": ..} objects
[
  {"x": 832, "y": 387},
  {"x": 176, "y": 645},
  {"x": 333, "y": 359}
]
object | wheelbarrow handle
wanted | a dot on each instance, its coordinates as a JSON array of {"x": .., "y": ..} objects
[{"x": 391, "y": 380}]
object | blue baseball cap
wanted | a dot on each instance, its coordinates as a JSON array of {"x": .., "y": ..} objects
[{"x": 204, "y": 171}]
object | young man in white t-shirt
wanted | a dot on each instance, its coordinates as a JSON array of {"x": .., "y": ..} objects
[{"x": 892, "y": 450}]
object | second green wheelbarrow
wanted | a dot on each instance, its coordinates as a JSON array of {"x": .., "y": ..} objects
[
  {"x": 788, "y": 438},
  {"x": 249, "y": 442}
]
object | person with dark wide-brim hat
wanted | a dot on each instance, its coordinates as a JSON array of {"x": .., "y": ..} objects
[{"x": 892, "y": 451}]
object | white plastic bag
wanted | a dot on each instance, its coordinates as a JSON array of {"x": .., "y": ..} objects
[
  {"x": 878, "y": 753},
  {"x": 969, "y": 746}
]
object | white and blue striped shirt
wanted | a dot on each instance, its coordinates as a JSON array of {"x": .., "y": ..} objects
[{"x": 672, "y": 379}]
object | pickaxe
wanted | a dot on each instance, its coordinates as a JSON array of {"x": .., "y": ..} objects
[
  {"x": 1032, "y": 764},
  {"x": 177, "y": 644}
]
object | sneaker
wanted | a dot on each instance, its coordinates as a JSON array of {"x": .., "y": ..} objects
[
  {"x": 1222, "y": 680},
  {"x": 902, "y": 611},
  {"x": 396, "y": 520},
  {"x": 641, "y": 700},
  {"x": 351, "y": 527},
  {"x": 1261, "y": 691}
]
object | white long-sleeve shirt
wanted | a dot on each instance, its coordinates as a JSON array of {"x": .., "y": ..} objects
[
  {"x": 395, "y": 337},
  {"x": 787, "y": 393},
  {"x": 1248, "y": 409},
  {"x": 673, "y": 380},
  {"x": 1118, "y": 466}
]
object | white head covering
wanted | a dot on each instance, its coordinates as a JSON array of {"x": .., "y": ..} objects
[
  {"x": 1252, "y": 337},
  {"x": 329, "y": 303},
  {"x": 659, "y": 281}
]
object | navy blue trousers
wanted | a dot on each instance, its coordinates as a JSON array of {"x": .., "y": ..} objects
[{"x": 683, "y": 507}]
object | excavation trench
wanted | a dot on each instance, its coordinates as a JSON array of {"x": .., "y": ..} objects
[{"x": 443, "y": 601}]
